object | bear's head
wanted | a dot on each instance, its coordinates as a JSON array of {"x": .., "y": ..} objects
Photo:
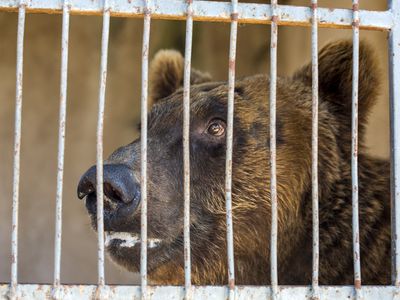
[{"x": 251, "y": 179}]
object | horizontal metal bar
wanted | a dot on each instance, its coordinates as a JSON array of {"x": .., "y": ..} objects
[
  {"x": 215, "y": 11},
  {"x": 35, "y": 291}
]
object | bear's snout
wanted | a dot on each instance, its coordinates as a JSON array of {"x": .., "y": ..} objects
[{"x": 119, "y": 187}]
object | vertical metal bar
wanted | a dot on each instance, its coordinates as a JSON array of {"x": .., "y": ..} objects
[
  {"x": 272, "y": 128},
  {"x": 99, "y": 162},
  {"x": 61, "y": 142},
  {"x": 143, "y": 149},
  {"x": 186, "y": 147},
  {"x": 354, "y": 151},
  {"x": 394, "y": 72},
  {"x": 229, "y": 141},
  {"x": 17, "y": 148},
  {"x": 314, "y": 145}
]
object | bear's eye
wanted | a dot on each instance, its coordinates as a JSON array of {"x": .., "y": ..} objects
[{"x": 216, "y": 128}]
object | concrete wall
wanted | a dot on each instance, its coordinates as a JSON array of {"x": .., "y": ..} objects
[{"x": 40, "y": 118}]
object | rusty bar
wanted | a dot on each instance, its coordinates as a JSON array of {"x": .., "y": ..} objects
[
  {"x": 394, "y": 76},
  {"x": 17, "y": 148},
  {"x": 213, "y": 11},
  {"x": 229, "y": 139},
  {"x": 272, "y": 145},
  {"x": 143, "y": 151},
  {"x": 99, "y": 162},
  {"x": 61, "y": 145},
  {"x": 354, "y": 151},
  {"x": 186, "y": 147},
  {"x": 314, "y": 146}
]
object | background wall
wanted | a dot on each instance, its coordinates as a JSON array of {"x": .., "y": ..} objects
[{"x": 41, "y": 105}]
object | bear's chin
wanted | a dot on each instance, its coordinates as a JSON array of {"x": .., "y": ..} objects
[
  {"x": 124, "y": 249},
  {"x": 129, "y": 240}
]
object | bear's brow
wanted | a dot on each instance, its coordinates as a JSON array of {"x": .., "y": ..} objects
[
  {"x": 209, "y": 105},
  {"x": 209, "y": 86}
]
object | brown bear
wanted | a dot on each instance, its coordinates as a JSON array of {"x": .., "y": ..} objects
[{"x": 250, "y": 187}]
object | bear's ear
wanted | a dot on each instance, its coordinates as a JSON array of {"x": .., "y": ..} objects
[
  {"x": 166, "y": 74},
  {"x": 335, "y": 77}
]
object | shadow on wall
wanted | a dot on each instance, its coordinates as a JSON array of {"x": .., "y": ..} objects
[{"x": 40, "y": 118}]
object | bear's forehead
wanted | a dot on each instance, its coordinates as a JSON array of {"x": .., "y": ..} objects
[
  {"x": 209, "y": 100},
  {"x": 205, "y": 99}
]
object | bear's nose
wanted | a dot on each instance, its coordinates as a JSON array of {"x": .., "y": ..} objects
[{"x": 119, "y": 184}]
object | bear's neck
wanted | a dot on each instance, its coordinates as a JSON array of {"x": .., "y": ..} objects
[{"x": 335, "y": 230}]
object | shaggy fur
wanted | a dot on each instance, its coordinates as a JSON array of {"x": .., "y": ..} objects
[{"x": 251, "y": 195}]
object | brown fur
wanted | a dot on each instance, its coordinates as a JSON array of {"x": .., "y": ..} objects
[{"x": 251, "y": 188}]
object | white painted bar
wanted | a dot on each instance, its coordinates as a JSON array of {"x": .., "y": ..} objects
[
  {"x": 120, "y": 292},
  {"x": 215, "y": 12}
]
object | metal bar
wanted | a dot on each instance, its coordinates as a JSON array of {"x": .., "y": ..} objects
[
  {"x": 72, "y": 292},
  {"x": 186, "y": 147},
  {"x": 229, "y": 141},
  {"x": 17, "y": 148},
  {"x": 61, "y": 142},
  {"x": 354, "y": 151},
  {"x": 314, "y": 146},
  {"x": 99, "y": 162},
  {"x": 216, "y": 12},
  {"x": 394, "y": 87},
  {"x": 272, "y": 143},
  {"x": 143, "y": 150}
]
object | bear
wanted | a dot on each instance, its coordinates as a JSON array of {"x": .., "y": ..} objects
[{"x": 251, "y": 205}]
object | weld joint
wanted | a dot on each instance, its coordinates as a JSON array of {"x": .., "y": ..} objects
[
  {"x": 234, "y": 16},
  {"x": 356, "y": 23},
  {"x": 357, "y": 284},
  {"x": 232, "y": 284},
  {"x": 189, "y": 13},
  {"x": 147, "y": 11}
]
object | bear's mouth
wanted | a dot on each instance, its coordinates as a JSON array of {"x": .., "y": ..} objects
[{"x": 128, "y": 240}]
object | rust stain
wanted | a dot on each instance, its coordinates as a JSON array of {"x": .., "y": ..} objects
[
  {"x": 139, "y": 14},
  {"x": 234, "y": 16},
  {"x": 189, "y": 13},
  {"x": 146, "y": 11},
  {"x": 357, "y": 284},
  {"x": 356, "y": 24},
  {"x": 232, "y": 64},
  {"x": 231, "y": 284}
]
